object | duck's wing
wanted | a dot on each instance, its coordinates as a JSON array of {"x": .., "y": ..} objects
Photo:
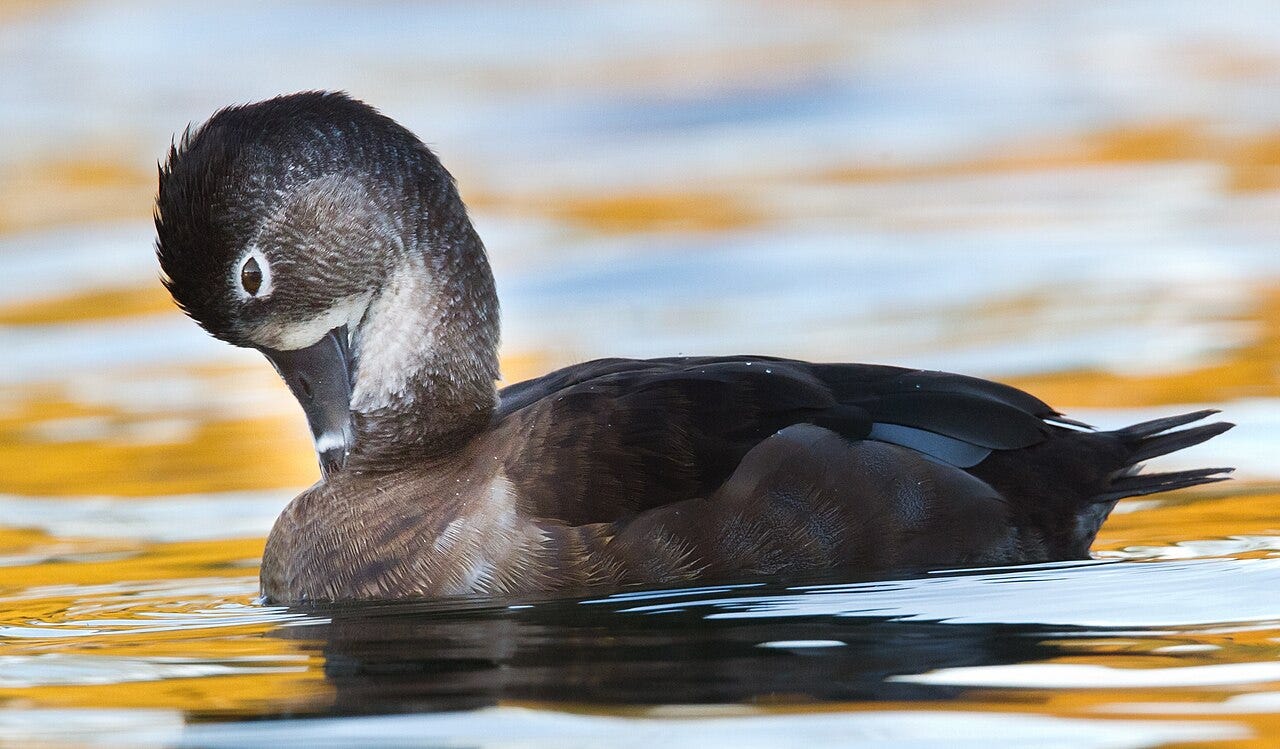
[
  {"x": 606, "y": 439},
  {"x": 805, "y": 499}
]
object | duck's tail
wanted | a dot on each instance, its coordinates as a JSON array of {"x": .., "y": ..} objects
[{"x": 1152, "y": 439}]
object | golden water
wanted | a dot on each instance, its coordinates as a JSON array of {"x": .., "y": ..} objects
[{"x": 1080, "y": 199}]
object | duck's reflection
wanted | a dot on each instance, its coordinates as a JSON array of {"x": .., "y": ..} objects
[{"x": 401, "y": 658}]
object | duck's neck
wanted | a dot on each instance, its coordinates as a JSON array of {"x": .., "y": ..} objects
[{"x": 426, "y": 352}]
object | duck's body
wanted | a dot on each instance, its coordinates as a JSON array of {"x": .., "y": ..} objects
[
  {"x": 322, "y": 233},
  {"x": 622, "y": 472}
]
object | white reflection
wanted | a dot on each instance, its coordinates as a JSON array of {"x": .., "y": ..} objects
[
  {"x": 509, "y": 726},
  {"x": 693, "y": 728},
  {"x": 1252, "y": 702},
  {"x": 801, "y": 644},
  {"x": 189, "y": 517},
  {"x": 1085, "y": 676},
  {"x": 59, "y": 669},
  {"x": 1112, "y": 595}
]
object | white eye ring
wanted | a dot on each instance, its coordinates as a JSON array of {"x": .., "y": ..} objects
[{"x": 242, "y": 275}]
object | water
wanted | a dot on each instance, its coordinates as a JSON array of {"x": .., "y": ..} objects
[{"x": 1079, "y": 198}]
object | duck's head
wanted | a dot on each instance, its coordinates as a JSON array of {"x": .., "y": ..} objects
[{"x": 325, "y": 235}]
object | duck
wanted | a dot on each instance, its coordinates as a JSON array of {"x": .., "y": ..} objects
[{"x": 322, "y": 233}]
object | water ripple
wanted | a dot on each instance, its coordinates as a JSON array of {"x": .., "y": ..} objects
[{"x": 1103, "y": 595}]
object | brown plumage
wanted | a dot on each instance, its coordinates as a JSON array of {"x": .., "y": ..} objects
[{"x": 325, "y": 235}]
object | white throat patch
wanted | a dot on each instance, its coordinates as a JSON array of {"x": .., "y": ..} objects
[{"x": 396, "y": 339}]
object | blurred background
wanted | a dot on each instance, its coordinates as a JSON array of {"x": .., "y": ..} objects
[{"x": 1080, "y": 198}]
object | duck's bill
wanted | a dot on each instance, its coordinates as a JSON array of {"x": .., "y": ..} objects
[{"x": 320, "y": 378}]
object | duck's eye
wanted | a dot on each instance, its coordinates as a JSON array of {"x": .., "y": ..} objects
[{"x": 251, "y": 276}]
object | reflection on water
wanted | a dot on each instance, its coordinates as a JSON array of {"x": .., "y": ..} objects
[
  {"x": 873, "y": 641},
  {"x": 1076, "y": 641},
  {"x": 1082, "y": 199}
]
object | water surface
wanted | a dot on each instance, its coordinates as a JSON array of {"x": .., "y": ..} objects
[{"x": 1082, "y": 199}]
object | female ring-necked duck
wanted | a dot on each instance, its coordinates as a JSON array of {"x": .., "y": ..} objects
[{"x": 325, "y": 235}]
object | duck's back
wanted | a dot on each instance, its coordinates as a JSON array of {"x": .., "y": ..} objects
[{"x": 621, "y": 441}]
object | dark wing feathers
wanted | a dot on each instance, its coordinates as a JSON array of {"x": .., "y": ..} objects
[
  {"x": 618, "y": 436},
  {"x": 521, "y": 394},
  {"x": 981, "y": 412},
  {"x": 978, "y": 388},
  {"x": 973, "y": 419}
]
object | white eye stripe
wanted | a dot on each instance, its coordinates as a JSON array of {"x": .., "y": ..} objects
[{"x": 264, "y": 268}]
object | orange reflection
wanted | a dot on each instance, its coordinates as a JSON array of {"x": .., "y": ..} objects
[
  {"x": 1252, "y": 161},
  {"x": 214, "y": 456},
  {"x": 1251, "y": 371},
  {"x": 98, "y": 304},
  {"x": 87, "y": 190},
  {"x": 1208, "y": 514}
]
